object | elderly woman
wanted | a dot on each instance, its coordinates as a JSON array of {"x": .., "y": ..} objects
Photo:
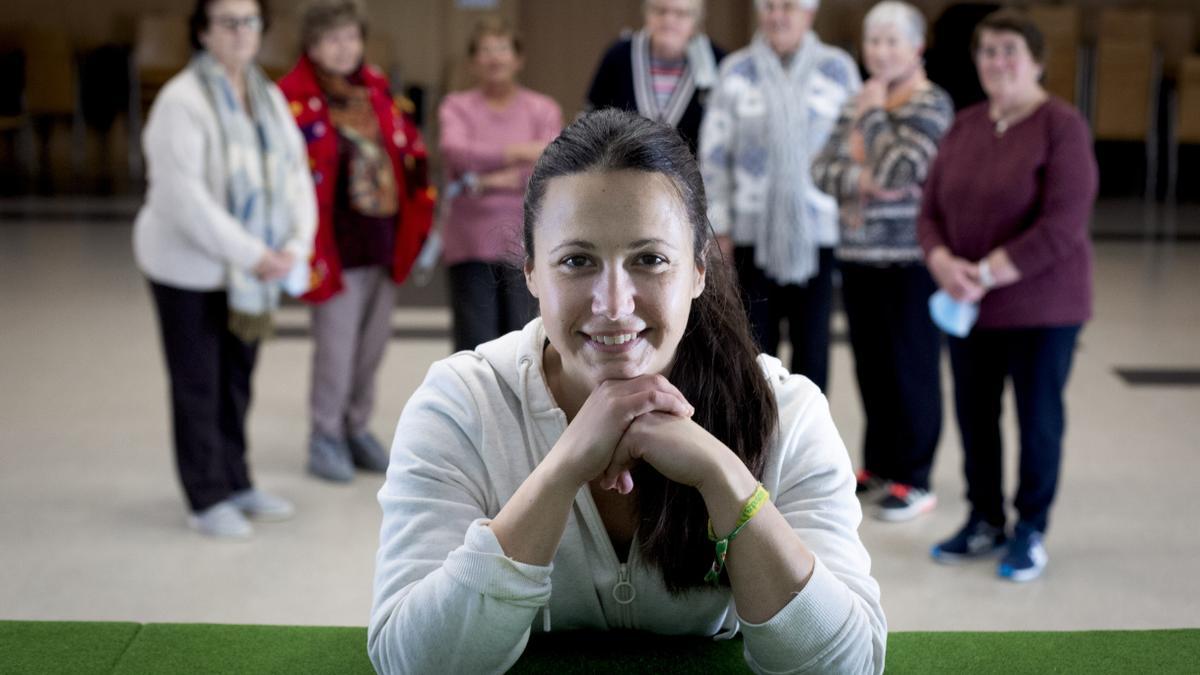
[
  {"x": 773, "y": 109},
  {"x": 563, "y": 476},
  {"x": 368, "y": 164},
  {"x": 664, "y": 72},
  {"x": 1005, "y": 223},
  {"x": 229, "y": 214},
  {"x": 874, "y": 164},
  {"x": 490, "y": 137}
]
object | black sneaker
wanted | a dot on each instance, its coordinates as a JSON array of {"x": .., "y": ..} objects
[
  {"x": 977, "y": 539},
  {"x": 1026, "y": 556},
  {"x": 904, "y": 502}
]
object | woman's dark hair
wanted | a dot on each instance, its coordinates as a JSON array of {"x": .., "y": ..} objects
[
  {"x": 493, "y": 26},
  {"x": 715, "y": 366},
  {"x": 199, "y": 21},
  {"x": 1012, "y": 21},
  {"x": 319, "y": 16}
]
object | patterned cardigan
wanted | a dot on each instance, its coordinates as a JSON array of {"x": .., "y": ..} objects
[
  {"x": 734, "y": 149},
  {"x": 900, "y": 147}
]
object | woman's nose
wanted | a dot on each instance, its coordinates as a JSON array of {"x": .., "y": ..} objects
[{"x": 613, "y": 295}]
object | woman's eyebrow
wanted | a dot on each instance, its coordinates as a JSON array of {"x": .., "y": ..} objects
[
  {"x": 575, "y": 243},
  {"x": 652, "y": 241}
]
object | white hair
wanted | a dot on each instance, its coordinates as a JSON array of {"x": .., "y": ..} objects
[
  {"x": 697, "y": 5},
  {"x": 902, "y": 15},
  {"x": 761, "y": 5}
]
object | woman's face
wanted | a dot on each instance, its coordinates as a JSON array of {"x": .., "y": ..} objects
[
  {"x": 671, "y": 24},
  {"x": 614, "y": 273},
  {"x": 339, "y": 50},
  {"x": 888, "y": 52},
  {"x": 234, "y": 32},
  {"x": 1006, "y": 68},
  {"x": 784, "y": 24},
  {"x": 496, "y": 61}
]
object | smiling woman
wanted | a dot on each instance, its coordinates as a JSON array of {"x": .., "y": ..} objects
[{"x": 627, "y": 460}]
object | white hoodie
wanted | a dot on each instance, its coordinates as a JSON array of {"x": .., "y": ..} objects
[{"x": 447, "y": 599}]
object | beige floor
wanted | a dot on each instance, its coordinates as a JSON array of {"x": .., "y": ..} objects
[{"x": 91, "y": 519}]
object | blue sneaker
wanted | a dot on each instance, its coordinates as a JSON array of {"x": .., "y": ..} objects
[
  {"x": 1026, "y": 557},
  {"x": 977, "y": 539}
]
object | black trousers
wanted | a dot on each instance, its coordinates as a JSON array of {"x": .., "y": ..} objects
[
  {"x": 805, "y": 308},
  {"x": 1038, "y": 361},
  {"x": 487, "y": 300},
  {"x": 209, "y": 371},
  {"x": 896, "y": 361}
]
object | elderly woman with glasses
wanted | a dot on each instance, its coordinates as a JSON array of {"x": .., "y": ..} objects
[
  {"x": 1004, "y": 224},
  {"x": 228, "y": 219},
  {"x": 664, "y": 72}
]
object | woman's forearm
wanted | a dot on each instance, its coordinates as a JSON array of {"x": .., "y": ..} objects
[
  {"x": 767, "y": 562},
  {"x": 530, "y": 526}
]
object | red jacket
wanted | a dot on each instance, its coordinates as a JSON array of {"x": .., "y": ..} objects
[{"x": 404, "y": 146}]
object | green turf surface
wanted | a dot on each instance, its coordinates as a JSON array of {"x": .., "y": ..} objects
[
  {"x": 127, "y": 648},
  {"x": 62, "y": 647}
]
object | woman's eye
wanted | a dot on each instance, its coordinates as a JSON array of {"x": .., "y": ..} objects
[
  {"x": 651, "y": 260},
  {"x": 574, "y": 261}
]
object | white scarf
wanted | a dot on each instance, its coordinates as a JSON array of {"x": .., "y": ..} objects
[
  {"x": 699, "y": 72},
  {"x": 785, "y": 245}
]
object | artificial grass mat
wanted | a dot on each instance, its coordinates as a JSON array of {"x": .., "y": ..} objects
[{"x": 129, "y": 648}]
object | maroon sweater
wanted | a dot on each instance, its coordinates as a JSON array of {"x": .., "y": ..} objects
[{"x": 1030, "y": 191}]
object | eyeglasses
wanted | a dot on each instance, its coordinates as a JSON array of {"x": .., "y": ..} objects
[
  {"x": 661, "y": 12},
  {"x": 253, "y": 22}
]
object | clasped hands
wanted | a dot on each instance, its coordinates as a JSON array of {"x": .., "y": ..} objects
[
  {"x": 962, "y": 279},
  {"x": 643, "y": 419}
]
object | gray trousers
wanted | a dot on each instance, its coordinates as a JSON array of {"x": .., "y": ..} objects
[{"x": 350, "y": 333}]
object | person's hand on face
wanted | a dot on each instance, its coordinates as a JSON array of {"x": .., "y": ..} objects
[
  {"x": 590, "y": 442},
  {"x": 873, "y": 95}
]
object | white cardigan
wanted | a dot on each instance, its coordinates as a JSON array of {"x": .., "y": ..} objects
[
  {"x": 448, "y": 600},
  {"x": 184, "y": 236}
]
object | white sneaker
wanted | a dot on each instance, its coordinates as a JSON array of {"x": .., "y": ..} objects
[
  {"x": 260, "y": 505},
  {"x": 222, "y": 520}
]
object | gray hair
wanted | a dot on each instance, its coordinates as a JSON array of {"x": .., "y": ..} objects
[
  {"x": 902, "y": 15},
  {"x": 811, "y": 5},
  {"x": 698, "y": 5}
]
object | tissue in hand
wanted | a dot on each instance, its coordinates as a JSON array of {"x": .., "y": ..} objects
[
  {"x": 296, "y": 282},
  {"x": 952, "y": 316}
]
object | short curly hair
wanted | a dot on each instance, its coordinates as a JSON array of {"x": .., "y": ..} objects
[
  {"x": 319, "y": 16},
  {"x": 1013, "y": 21}
]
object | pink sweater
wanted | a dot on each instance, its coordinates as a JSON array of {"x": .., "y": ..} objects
[
  {"x": 1030, "y": 192},
  {"x": 487, "y": 227}
]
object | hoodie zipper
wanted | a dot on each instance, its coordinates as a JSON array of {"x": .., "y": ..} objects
[{"x": 623, "y": 592}]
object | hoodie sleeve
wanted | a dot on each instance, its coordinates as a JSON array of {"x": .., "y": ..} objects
[
  {"x": 836, "y": 623},
  {"x": 446, "y": 598}
]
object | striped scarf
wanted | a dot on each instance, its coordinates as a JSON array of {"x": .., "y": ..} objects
[{"x": 257, "y": 160}]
